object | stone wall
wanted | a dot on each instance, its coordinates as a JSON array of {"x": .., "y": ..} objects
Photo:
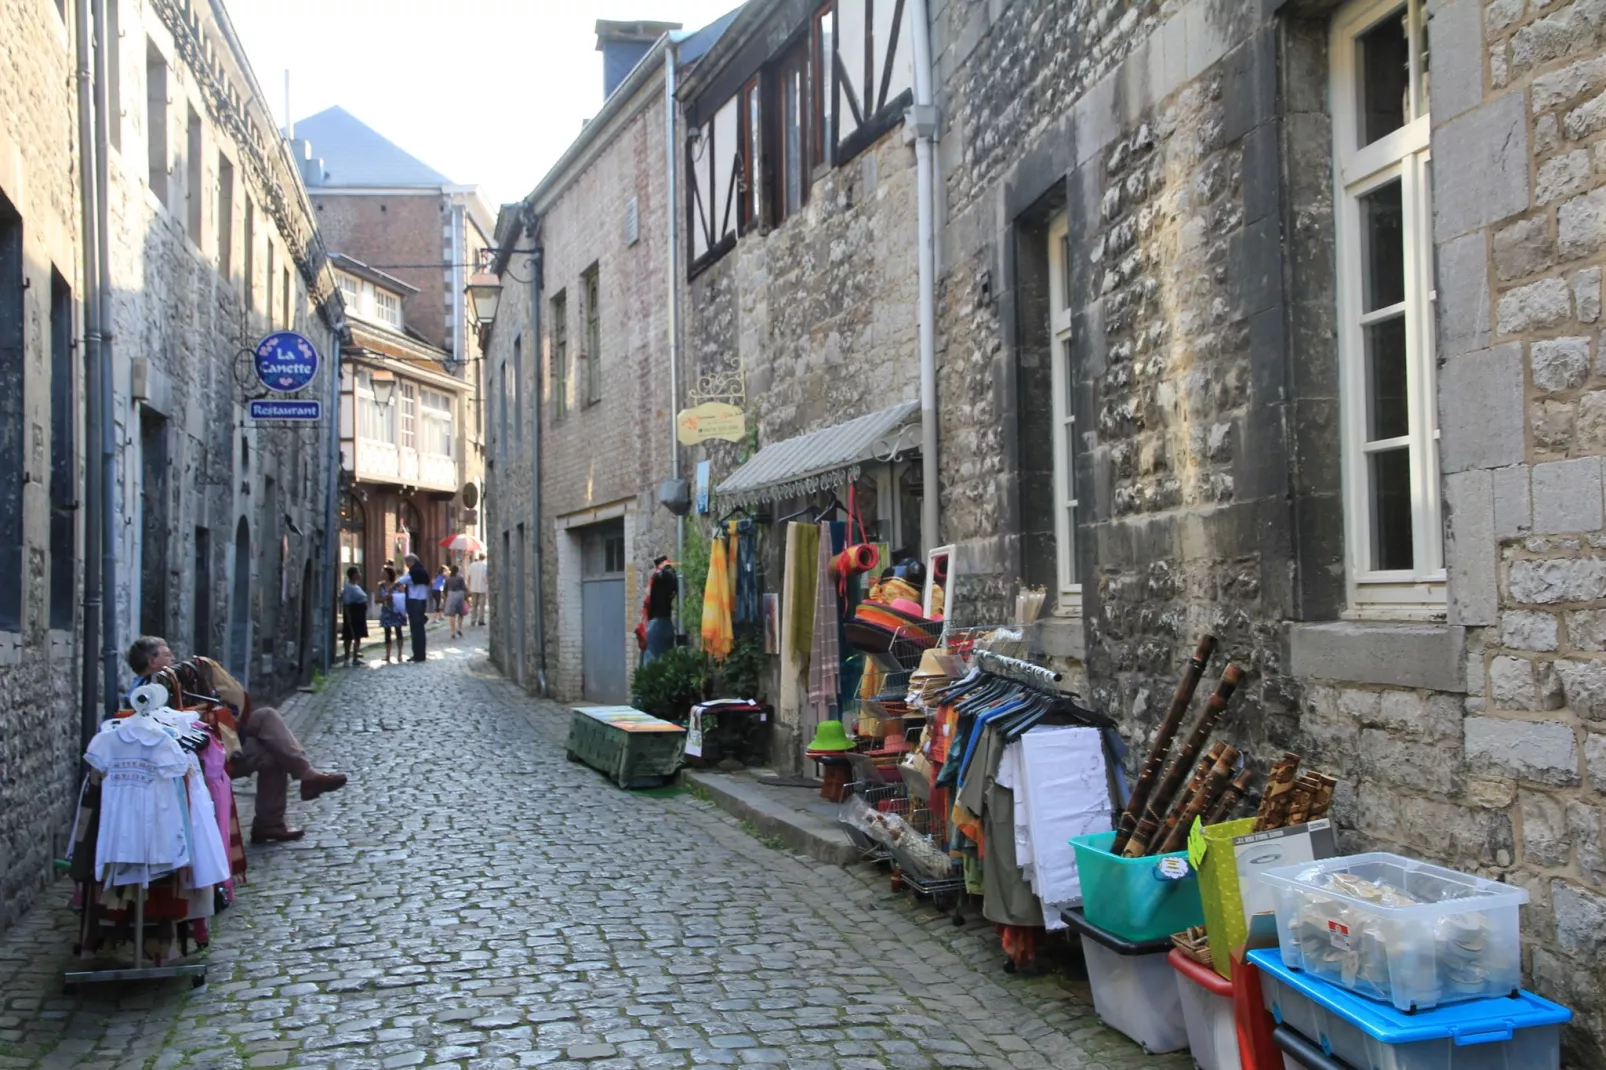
[
  {"x": 39, "y": 666},
  {"x": 600, "y": 461}
]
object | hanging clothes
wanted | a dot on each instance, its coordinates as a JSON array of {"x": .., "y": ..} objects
[
  {"x": 142, "y": 811},
  {"x": 718, "y": 637},
  {"x": 748, "y": 609},
  {"x": 803, "y": 543}
]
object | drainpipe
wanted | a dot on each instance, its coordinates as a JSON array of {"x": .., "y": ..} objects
[
  {"x": 110, "y": 518},
  {"x": 672, "y": 199},
  {"x": 331, "y": 533},
  {"x": 923, "y": 120},
  {"x": 89, "y": 719},
  {"x": 532, "y": 226}
]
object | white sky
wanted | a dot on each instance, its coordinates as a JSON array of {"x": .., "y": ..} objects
[{"x": 488, "y": 92}]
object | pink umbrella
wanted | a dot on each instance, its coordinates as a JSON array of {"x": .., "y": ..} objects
[{"x": 465, "y": 543}]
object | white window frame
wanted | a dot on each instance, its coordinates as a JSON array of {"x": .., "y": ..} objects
[
  {"x": 371, "y": 417},
  {"x": 1403, "y": 155},
  {"x": 387, "y": 308},
  {"x": 435, "y": 422},
  {"x": 1059, "y": 340}
]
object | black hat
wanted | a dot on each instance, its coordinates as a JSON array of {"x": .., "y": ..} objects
[{"x": 660, "y": 559}]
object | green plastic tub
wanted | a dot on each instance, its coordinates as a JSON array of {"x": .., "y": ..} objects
[
  {"x": 631, "y": 748},
  {"x": 1136, "y": 898}
]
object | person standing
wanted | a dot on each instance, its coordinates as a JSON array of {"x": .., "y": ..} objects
[
  {"x": 268, "y": 748},
  {"x": 479, "y": 590},
  {"x": 354, "y": 614},
  {"x": 437, "y": 593},
  {"x": 456, "y": 601},
  {"x": 392, "y": 609},
  {"x": 417, "y": 603},
  {"x": 662, "y": 588}
]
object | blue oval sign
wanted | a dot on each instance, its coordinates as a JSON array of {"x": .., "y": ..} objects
[{"x": 286, "y": 362}]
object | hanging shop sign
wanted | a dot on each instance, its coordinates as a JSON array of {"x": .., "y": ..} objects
[
  {"x": 284, "y": 409},
  {"x": 711, "y": 419},
  {"x": 286, "y": 362}
]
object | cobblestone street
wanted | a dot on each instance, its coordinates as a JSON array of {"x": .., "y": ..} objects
[{"x": 474, "y": 899}]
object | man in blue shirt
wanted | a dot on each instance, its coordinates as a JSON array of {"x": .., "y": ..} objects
[{"x": 417, "y": 602}]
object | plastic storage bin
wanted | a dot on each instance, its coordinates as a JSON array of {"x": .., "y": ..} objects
[
  {"x": 1521, "y": 1032},
  {"x": 1131, "y": 897},
  {"x": 1398, "y": 930},
  {"x": 1207, "y": 1012},
  {"x": 1134, "y": 986}
]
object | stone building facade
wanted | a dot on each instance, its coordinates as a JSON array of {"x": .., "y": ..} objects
[
  {"x": 221, "y": 541},
  {"x": 1246, "y": 325},
  {"x": 596, "y": 369}
]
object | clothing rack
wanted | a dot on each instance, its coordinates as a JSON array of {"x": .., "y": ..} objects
[
  {"x": 195, "y": 971},
  {"x": 1016, "y": 669}
]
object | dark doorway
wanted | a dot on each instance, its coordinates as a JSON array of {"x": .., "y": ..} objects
[
  {"x": 201, "y": 614},
  {"x": 154, "y": 525},
  {"x": 240, "y": 605}
]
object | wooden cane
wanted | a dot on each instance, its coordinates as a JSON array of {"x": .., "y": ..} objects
[
  {"x": 1210, "y": 791},
  {"x": 1180, "y": 701},
  {"x": 1274, "y": 802},
  {"x": 1161, "y": 798},
  {"x": 1230, "y": 798}
]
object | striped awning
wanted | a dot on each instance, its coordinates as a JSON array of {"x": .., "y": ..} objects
[{"x": 823, "y": 459}]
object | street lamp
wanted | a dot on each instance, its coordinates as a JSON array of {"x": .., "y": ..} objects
[
  {"x": 485, "y": 294},
  {"x": 384, "y": 384}
]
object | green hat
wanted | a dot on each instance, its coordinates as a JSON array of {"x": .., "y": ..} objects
[{"x": 830, "y": 736}]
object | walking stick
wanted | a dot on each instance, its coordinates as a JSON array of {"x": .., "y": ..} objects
[{"x": 1162, "y": 742}]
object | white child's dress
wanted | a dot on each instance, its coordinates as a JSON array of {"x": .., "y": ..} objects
[{"x": 143, "y": 802}]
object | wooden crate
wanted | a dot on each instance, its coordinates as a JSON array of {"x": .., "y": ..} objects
[{"x": 631, "y": 748}]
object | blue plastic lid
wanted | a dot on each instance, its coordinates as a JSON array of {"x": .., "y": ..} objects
[{"x": 1476, "y": 1021}]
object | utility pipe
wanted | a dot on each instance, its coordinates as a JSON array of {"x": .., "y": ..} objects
[
  {"x": 89, "y": 719},
  {"x": 671, "y": 158},
  {"x": 532, "y": 225},
  {"x": 111, "y": 516},
  {"x": 924, "y": 115}
]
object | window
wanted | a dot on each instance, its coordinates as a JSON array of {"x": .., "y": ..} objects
[
  {"x": 593, "y": 339},
  {"x": 409, "y": 416},
  {"x": 11, "y": 437},
  {"x": 518, "y": 392},
  {"x": 1385, "y": 298},
  {"x": 156, "y": 120},
  {"x": 374, "y": 421},
  {"x": 194, "y": 197},
  {"x": 1064, "y": 413},
  {"x": 349, "y": 291},
  {"x": 502, "y": 440},
  {"x": 286, "y": 322},
  {"x": 225, "y": 216},
  {"x": 63, "y": 484},
  {"x": 751, "y": 138},
  {"x": 559, "y": 331},
  {"x": 824, "y": 56},
  {"x": 387, "y": 308},
  {"x": 267, "y": 307},
  {"x": 436, "y": 409},
  {"x": 248, "y": 239},
  {"x": 792, "y": 136}
]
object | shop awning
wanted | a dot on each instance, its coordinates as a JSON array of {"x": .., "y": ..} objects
[{"x": 823, "y": 459}]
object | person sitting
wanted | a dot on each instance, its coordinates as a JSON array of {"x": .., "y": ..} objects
[{"x": 267, "y": 746}]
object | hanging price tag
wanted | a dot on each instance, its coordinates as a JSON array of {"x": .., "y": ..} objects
[{"x": 1196, "y": 843}]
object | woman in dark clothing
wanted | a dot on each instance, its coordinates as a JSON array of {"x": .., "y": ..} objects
[{"x": 354, "y": 614}]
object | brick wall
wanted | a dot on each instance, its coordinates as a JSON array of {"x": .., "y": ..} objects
[
  {"x": 395, "y": 232},
  {"x": 39, "y": 667}
]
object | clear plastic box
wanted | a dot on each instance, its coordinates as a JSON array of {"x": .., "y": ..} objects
[
  {"x": 1134, "y": 986},
  {"x": 1397, "y": 930},
  {"x": 1521, "y": 1032},
  {"x": 1207, "y": 1011}
]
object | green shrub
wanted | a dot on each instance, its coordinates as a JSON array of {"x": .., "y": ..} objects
[{"x": 671, "y": 684}]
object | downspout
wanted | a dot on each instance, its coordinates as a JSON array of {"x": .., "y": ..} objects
[
  {"x": 110, "y": 518},
  {"x": 923, "y": 119},
  {"x": 89, "y": 718},
  {"x": 331, "y": 554},
  {"x": 672, "y": 198},
  {"x": 532, "y": 224}
]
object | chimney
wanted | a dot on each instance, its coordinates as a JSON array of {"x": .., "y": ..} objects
[
  {"x": 622, "y": 45},
  {"x": 310, "y": 166}
]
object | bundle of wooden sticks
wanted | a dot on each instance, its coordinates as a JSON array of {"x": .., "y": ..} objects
[{"x": 1158, "y": 816}]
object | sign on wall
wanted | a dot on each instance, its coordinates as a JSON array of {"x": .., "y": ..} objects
[
  {"x": 286, "y": 362},
  {"x": 711, "y": 419}
]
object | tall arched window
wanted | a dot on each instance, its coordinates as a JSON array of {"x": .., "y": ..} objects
[{"x": 353, "y": 536}]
